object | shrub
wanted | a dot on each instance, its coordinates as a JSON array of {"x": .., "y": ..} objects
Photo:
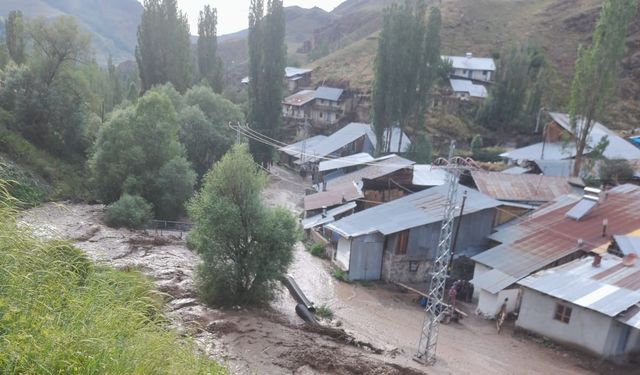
[
  {"x": 615, "y": 171},
  {"x": 324, "y": 312},
  {"x": 130, "y": 211},
  {"x": 339, "y": 274},
  {"x": 317, "y": 249}
]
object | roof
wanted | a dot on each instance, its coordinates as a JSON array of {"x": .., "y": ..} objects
[
  {"x": 521, "y": 187},
  {"x": 471, "y": 63},
  {"x": 347, "y": 161},
  {"x": 418, "y": 209},
  {"x": 545, "y": 151},
  {"x": 339, "y": 139},
  {"x": 328, "y": 217},
  {"x": 428, "y": 175},
  {"x": 610, "y": 289},
  {"x": 516, "y": 170},
  {"x": 628, "y": 244},
  {"x": 464, "y": 85},
  {"x": 378, "y": 168},
  {"x": 297, "y": 148},
  {"x": 557, "y": 168},
  {"x": 338, "y": 195},
  {"x": 290, "y": 72},
  {"x": 535, "y": 241},
  {"x": 300, "y": 98},
  {"x": 619, "y": 148},
  {"x": 328, "y": 93},
  {"x": 396, "y": 133}
]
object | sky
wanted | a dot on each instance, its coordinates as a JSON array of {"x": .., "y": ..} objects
[{"x": 233, "y": 14}]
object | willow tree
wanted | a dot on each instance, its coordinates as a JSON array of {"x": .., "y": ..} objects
[
  {"x": 267, "y": 58},
  {"x": 406, "y": 67},
  {"x": 596, "y": 71}
]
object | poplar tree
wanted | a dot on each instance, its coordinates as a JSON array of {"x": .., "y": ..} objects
[
  {"x": 14, "y": 33},
  {"x": 163, "y": 52},
  {"x": 209, "y": 63},
  {"x": 267, "y": 58},
  {"x": 596, "y": 71}
]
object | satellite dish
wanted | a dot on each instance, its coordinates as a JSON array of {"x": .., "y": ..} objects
[{"x": 629, "y": 259}]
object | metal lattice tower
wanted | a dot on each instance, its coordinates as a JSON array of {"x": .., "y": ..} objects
[{"x": 435, "y": 304}]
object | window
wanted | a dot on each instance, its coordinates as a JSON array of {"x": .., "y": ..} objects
[
  {"x": 401, "y": 242},
  {"x": 563, "y": 313},
  {"x": 484, "y": 73}
]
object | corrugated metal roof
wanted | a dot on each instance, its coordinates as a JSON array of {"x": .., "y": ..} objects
[
  {"x": 378, "y": 168},
  {"x": 300, "y": 98},
  {"x": 396, "y": 133},
  {"x": 329, "y": 217},
  {"x": 547, "y": 235},
  {"x": 619, "y": 148},
  {"x": 428, "y": 175},
  {"x": 412, "y": 211},
  {"x": 290, "y": 72},
  {"x": 464, "y": 85},
  {"x": 628, "y": 244},
  {"x": 516, "y": 170},
  {"x": 552, "y": 151},
  {"x": 347, "y": 161},
  {"x": 471, "y": 63},
  {"x": 493, "y": 281},
  {"x": 341, "y": 138},
  {"x": 555, "y": 168},
  {"x": 338, "y": 195},
  {"x": 307, "y": 144},
  {"x": 329, "y": 93},
  {"x": 521, "y": 187},
  {"x": 610, "y": 289}
]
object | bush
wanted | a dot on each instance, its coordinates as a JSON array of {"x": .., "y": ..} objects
[
  {"x": 615, "y": 171},
  {"x": 22, "y": 185},
  {"x": 339, "y": 274},
  {"x": 130, "y": 211},
  {"x": 317, "y": 249},
  {"x": 324, "y": 312}
]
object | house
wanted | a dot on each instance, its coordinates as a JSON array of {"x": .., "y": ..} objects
[
  {"x": 469, "y": 67},
  {"x": 562, "y": 230},
  {"x": 592, "y": 303},
  {"x": 397, "y": 241},
  {"x": 329, "y": 106},
  {"x": 316, "y": 203},
  {"x": 297, "y": 107},
  {"x": 556, "y": 147},
  {"x": 466, "y": 89},
  {"x": 294, "y": 79},
  {"x": 299, "y": 150}
]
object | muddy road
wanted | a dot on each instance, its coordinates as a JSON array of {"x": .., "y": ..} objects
[{"x": 275, "y": 341}]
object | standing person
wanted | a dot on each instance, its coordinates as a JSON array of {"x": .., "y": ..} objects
[{"x": 502, "y": 314}]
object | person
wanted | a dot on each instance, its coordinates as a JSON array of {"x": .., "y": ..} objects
[
  {"x": 453, "y": 293},
  {"x": 502, "y": 315}
]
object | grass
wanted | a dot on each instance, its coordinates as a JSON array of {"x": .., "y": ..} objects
[
  {"x": 324, "y": 312},
  {"x": 340, "y": 274},
  {"x": 60, "y": 314}
]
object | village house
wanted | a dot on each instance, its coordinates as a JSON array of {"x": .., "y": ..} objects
[
  {"x": 294, "y": 79},
  {"x": 467, "y": 90},
  {"x": 592, "y": 303},
  {"x": 471, "y": 68},
  {"x": 556, "y": 233},
  {"x": 329, "y": 107},
  {"x": 397, "y": 241},
  {"x": 297, "y": 107}
]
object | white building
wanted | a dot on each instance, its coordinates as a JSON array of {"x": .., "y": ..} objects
[
  {"x": 466, "y": 89},
  {"x": 469, "y": 67}
]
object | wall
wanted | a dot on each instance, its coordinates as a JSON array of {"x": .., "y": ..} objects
[
  {"x": 478, "y": 270},
  {"x": 489, "y": 304},
  {"x": 474, "y": 74},
  {"x": 343, "y": 253},
  {"x": 586, "y": 329},
  {"x": 365, "y": 261}
]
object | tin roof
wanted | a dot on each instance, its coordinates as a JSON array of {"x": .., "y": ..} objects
[
  {"x": 290, "y": 72},
  {"x": 555, "y": 168},
  {"x": 546, "y": 235},
  {"x": 378, "y": 168},
  {"x": 628, "y": 244},
  {"x": 329, "y": 93},
  {"x": 516, "y": 170},
  {"x": 412, "y": 211},
  {"x": 338, "y": 195},
  {"x": 471, "y": 63},
  {"x": 347, "y": 161},
  {"x": 297, "y": 148},
  {"x": 521, "y": 187},
  {"x": 428, "y": 175},
  {"x": 300, "y": 98},
  {"x": 465, "y": 85},
  {"x": 329, "y": 217},
  {"x": 610, "y": 289},
  {"x": 537, "y": 151}
]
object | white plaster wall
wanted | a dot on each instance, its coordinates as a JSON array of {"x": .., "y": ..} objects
[
  {"x": 343, "y": 253},
  {"x": 587, "y": 329},
  {"x": 478, "y": 270},
  {"x": 487, "y": 303}
]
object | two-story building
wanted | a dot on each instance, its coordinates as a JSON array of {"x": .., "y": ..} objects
[
  {"x": 329, "y": 107},
  {"x": 297, "y": 107},
  {"x": 473, "y": 68}
]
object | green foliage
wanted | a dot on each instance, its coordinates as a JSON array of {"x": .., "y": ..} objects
[
  {"x": 267, "y": 58},
  {"x": 596, "y": 71},
  {"x": 28, "y": 189},
  {"x": 319, "y": 51},
  {"x": 15, "y": 36},
  {"x": 324, "y": 312},
  {"x": 615, "y": 171},
  {"x": 61, "y": 315},
  {"x": 245, "y": 246},
  {"x": 209, "y": 63},
  {"x": 129, "y": 211},
  {"x": 141, "y": 142},
  {"x": 488, "y": 154},
  {"x": 400, "y": 90},
  {"x": 421, "y": 149},
  {"x": 476, "y": 145},
  {"x": 339, "y": 274},
  {"x": 163, "y": 53},
  {"x": 317, "y": 249}
]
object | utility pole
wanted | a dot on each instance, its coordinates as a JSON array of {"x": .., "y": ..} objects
[{"x": 435, "y": 303}]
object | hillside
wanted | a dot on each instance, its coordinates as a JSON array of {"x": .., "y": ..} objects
[{"x": 112, "y": 23}]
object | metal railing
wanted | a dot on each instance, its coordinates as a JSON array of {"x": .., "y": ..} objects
[{"x": 161, "y": 226}]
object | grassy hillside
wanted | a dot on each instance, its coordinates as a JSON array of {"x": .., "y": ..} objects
[{"x": 112, "y": 23}]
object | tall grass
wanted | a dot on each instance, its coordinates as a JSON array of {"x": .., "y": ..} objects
[{"x": 60, "y": 314}]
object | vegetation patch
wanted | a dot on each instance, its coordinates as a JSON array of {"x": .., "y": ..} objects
[
  {"x": 316, "y": 249},
  {"x": 130, "y": 211},
  {"x": 339, "y": 274},
  {"x": 324, "y": 312}
]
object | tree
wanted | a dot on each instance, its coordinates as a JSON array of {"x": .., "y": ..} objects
[
  {"x": 267, "y": 57},
  {"x": 14, "y": 34},
  {"x": 137, "y": 152},
  {"x": 615, "y": 171},
  {"x": 163, "y": 52},
  {"x": 596, "y": 70},
  {"x": 246, "y": 247},
  {"x": 400, "y": 90},
  {"x": 208, "y": 61},
  {"x": 421, "y": 149}
]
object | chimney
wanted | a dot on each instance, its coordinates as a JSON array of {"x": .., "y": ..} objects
[
  {"x": 469, "y": 55},
  {"x": 605, "y": 222},
  {"x": 324, "y": 211},
  {"x": 580, "y": 242},
  {"x": 596, "y": 261}
]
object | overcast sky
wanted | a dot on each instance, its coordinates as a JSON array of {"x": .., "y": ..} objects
[{"x": 233, "y": 14}]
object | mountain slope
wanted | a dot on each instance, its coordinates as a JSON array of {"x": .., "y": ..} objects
[{"x": 112, "y": 23}]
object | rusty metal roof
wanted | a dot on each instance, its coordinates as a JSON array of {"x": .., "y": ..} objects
[
  {"x": 537, "y": 240},
  {"x": 339, "y": 194},
  {"x": 300, "y": 98},
  {"x": 521, "y": 187}
]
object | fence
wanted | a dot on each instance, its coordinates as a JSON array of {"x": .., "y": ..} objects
[{"x": 161, "y": 226}]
